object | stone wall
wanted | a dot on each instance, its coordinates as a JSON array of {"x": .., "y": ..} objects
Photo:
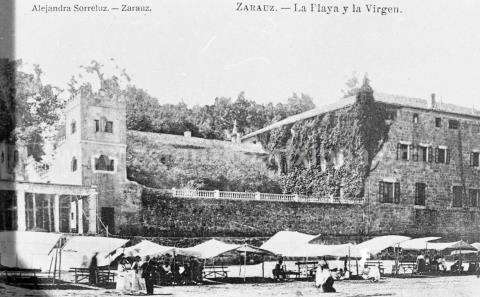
[
  {"x": 438, "y": 216},
  {"x": 165, "y": 216}
]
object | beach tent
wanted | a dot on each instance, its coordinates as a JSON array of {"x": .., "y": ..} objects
[
  {"x": 79, "y": 250},
  {"x": 417, "y": 244},
  {"x": 289, "y": 244},
  {"x": 208, "y": 249},
  {"x": 145, "y": 248},
  {"x": 26, "y": 249},
  {"x": 376, "y": 245},
  {"x": 476, "y": 245},
  {"x": 452, "y": 246}
]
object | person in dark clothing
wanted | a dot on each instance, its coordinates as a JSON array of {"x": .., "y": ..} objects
[
  {"x": 148, "y": 273},
  {"x": 279, "y": 270},
  {"x": 327, "y": 286},
  {"x": 92, "y": 270}
]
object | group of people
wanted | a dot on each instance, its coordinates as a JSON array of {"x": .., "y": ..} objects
[
  {"x": 136, "y": 275},
  {"x": 425, "y": 263}
]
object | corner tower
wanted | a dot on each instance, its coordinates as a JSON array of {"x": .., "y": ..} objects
[{"x": 93, "y": 152}]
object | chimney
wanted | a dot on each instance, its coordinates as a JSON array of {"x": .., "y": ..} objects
[
  {"x": 433, "y": 101},
  {"x": 187, "y": 134}
]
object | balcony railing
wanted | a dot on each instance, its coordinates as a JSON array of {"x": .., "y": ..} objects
[{"x": 203, "y": 194}]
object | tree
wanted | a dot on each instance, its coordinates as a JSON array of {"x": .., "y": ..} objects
[{"x": 30, "y": 108}]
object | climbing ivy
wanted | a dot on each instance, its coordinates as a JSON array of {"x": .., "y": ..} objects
[{"x": 356, "y": 132}]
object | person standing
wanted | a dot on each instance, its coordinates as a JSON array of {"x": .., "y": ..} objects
[
  {"x": 92, "y": 270},
  {"x": 148, "y": 273}
]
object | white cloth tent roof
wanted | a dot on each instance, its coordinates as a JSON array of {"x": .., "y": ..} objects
[
  {"x": 289, "y": 244},
  {"x": 417, "y": 243},
  {"x": 145, "y": 248},
  {"x": 476, "y": 245},
  {"x": 79, "y": 250},
  {"x": 209, "y": 249},
  {"x": 27, "y": 249},
  {"x": 376, "y": 245},
  {"x": 295, "y": 244},
  {"x": 454, "y": 245}
]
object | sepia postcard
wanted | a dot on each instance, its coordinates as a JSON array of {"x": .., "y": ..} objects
[{"x": 239, "y": 148}]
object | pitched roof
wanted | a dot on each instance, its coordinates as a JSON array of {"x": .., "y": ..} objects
[{"x": 397, "y": 100}]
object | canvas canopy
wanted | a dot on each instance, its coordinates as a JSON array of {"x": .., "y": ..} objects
[
  {"x": 289, "y": 244},
  {"x": 455, "y": 245},
  {"x": 25, "y": 249},
  {"x": 417, "y": 244},
  {"x": 79, "y": 250},
  {"x": 476, "y": 245},
  {"x": 376, "y": 245},
  {"x": 247, "y": 248},
  {"x": 145, "y": 248},
  {"x": 296, "y": 245},
  {"x": 208, "y": 249}
]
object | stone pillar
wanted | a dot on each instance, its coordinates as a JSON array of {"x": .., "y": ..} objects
[
  {"x": 80, "y": 215},
  {"x": 21, "y": 220},
  {"x": 56, "y": 213},
  {"x": 92, "y": 213}
]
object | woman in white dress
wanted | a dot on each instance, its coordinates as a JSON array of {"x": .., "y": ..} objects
[{"x": 123, "y": 281}]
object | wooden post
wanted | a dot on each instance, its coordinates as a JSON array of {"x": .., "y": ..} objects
[
  {"x": 21, "y": 222},
  {"x": 56, "y": 213},
  {"x": 80, "y": 215},
  {"x": 92, "y": 213},
  {"x": 49, "y": 208},
  {"x": 34, "y": 209}
]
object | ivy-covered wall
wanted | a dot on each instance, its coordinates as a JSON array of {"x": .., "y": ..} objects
[{"x": 330, "y": 154}]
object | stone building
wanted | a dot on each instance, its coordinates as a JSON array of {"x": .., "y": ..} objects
[
  {"x": 425, "y": 178},
  {"x": 93, "y": 154}
]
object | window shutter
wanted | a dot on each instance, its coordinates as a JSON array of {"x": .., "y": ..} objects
[
  {"x": 380, "y": 191},
  {"x": 416, "y": 193},
  {"x": 436, "y": 155},
  {"x": 396, "y": 194},
  {"x": 398, "y": 150},
  {"x": 447, "y": 156},
  {"x": 471, "y": 159},
  {"x": 415, "y": 153},
  {"x": 430, "y": 154}
]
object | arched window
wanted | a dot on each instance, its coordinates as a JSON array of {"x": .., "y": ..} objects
[
  {"x": 74, "y": 164},
  {"x": 103, "y": 163},
  {"x": 73, "y": 127}
]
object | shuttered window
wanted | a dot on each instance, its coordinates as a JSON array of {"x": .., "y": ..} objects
[
  {"x": 457, "y": 196},
  {"x": 420, "y": 189},
  {"x": 389, "y": 192}
]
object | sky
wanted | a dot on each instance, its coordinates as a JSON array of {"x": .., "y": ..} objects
[{"x": 194, "y": 51}]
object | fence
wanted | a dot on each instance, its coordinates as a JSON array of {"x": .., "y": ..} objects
[{"x": 203, "y": 194}]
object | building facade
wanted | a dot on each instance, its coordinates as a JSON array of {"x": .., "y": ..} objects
[{"x": 93, "y": 154}]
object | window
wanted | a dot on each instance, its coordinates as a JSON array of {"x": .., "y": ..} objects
[
  {"x": 425, "y": 153},
  {"x": 391, "y": 115},
  {"x": 389, "y": 192},
  {"x": 109, "y": 127},
  {"x": 97, "y": 125},
  {"x": 403, "y": 151},
  {"x": 442, "y": 155},
  {"x": 73, "y": 127},
  {"x": 438, "y": 122},
  {"x": 474, "y": 159},
  {"x": 15, "y": 156},
  {"x": 457, "y": 196},
  {"x": 103, "y": 163},
  {"x": 453, "y": 124},
  {"x": 3, "y": 157},
  {"x": 415, "y": 118},
  {"x": 474, "y": 196},
  {"x": 420, "y": 193},
  {"x": 74, "y": 164}
]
